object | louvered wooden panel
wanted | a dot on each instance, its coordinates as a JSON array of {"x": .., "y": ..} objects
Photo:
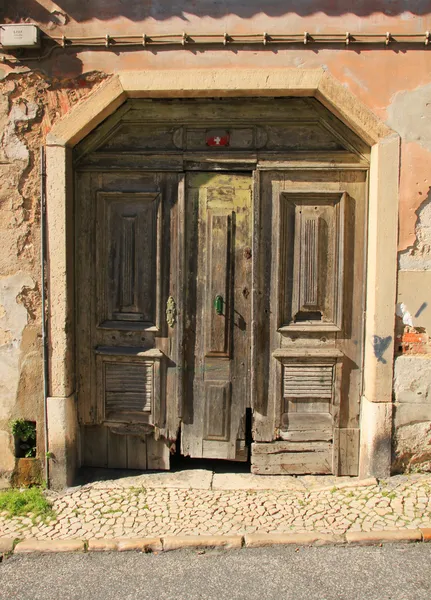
[
  {"x": 308, "y": 381},
  {"x": 128, "y": 388}
]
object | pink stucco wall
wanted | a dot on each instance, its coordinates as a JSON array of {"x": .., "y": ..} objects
[{"x": 374, "y": 75}]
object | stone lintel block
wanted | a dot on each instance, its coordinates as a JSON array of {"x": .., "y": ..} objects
[
  {"x": 176, "y": 542},
  {"x": 6, "y": 545},
  {"x": 375, "y": 537},
  {"x": 140, "y": 544},
  {"x": 27, "y": 546},
  {"x": 258, "y": 540},
  {"x": 426, "y": 533}
]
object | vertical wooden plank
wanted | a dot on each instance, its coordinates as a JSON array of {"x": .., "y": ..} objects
[
  {"x": 94, "y": 446},
  {"x": 218, "y": 282},
  {"x": 349, "y": 452},
  {"x": 158, "y": 454},
  {"x": 217, "y": 410},
  {"x": 84, "y": 303},
  {"x": 117, "y": 451},
  {"x": 336, "y": 452},
  {"x": 261, "y": 251},
  {"x": 178, "y": 283},
  {"x": 136, "y": 452}
]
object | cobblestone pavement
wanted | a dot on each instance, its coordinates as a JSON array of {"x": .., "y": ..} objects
[{"x": 200, "y": 502}]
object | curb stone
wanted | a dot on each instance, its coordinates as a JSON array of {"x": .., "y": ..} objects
[
  {"x": 251, "y": 540},
  {"x": 124, "y": 544},
  {"x": 141, "y": 544},
  {"x": 6, "y": 545},
  {"x": 31, "y": 545},
  {"x": 390, "y": 535},
  {"x": 258, "y": 540},
  {"x": 101, "y": 545},
  {"x": 426, "y": 533},
  {"x": 175, "y": 542}
]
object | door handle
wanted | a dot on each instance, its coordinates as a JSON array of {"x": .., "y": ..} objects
[{"x": 218, "y": 304}]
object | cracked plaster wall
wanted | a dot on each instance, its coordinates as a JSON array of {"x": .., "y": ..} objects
[
  {"x": 394, "y": 84},
  {"x": 29, "y": 104}
]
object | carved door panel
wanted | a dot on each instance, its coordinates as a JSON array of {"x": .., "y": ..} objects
[
  {"x": 309, "y": 310},
  {"x": 127, "y": 352},
  {"x": 217, "y": 329}
]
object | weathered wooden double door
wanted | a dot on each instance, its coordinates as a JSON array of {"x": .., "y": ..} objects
[{"x": 220, "y": 272}]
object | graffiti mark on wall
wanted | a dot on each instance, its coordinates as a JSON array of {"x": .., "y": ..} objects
[{"x": 380, "y": 345}]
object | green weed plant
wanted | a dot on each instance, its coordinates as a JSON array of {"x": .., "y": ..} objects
[{"x": 25, "y": 502}]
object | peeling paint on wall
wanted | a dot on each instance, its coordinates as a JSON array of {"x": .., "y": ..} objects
[
  {"x": 13, "y": 321},
  {"x": 30, "y": 104},
  {"x": 410, "y": 115},
  {"x": 12, "y": 324},
  {"x": 418, "y": 256}
]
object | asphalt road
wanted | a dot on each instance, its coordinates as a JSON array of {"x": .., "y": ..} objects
[{"x": 390, "y": 572}]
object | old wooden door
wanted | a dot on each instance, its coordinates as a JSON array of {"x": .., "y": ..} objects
[
  {"x": 218, "y": 306},
  {"x": 127, "y": 289},
  {"x": 310, "y": 274}
]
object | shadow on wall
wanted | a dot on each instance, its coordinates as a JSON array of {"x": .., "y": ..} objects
[{"x": 161, "y": 10}]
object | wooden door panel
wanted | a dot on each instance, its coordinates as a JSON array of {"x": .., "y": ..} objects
[
  {"x": 309, "y": 307},
  {"x": 128, "y": 259},
  {"x": 217, "y": 337},
  {"x": 127, "y": 256},
  {"x": 219, "y": 281}
]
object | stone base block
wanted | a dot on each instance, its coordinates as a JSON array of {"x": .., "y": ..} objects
[
  {"x": 376, "y": 436},
  {"x": 27, "y": 472},
  {"x": 62, "y": 441}
]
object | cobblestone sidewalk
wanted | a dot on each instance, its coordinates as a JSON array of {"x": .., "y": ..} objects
[{"x": 199, "y": 502}]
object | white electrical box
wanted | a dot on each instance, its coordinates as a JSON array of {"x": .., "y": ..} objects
[{"x": 19, "y": 35}]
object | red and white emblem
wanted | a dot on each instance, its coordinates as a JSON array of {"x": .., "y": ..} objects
[{"x": 217, "y": 138}]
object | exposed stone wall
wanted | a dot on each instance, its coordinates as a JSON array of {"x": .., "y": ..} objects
[
  {"x": 412, "y": 420},
  {"x": 29, "y": 105}
]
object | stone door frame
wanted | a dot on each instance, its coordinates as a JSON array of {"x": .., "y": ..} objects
[{"x": 376, "y": 402}]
